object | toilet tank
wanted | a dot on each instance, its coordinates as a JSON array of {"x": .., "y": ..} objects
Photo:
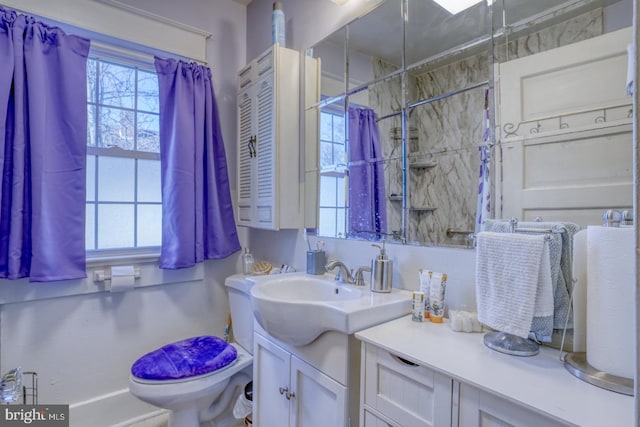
[{"x": 238, "y": 288}]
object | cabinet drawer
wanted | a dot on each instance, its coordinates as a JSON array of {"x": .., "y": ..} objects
[
  {"x": 480, "y": 408},
  {"x": 371, "y": 419},
  {"x": 409, "y": 394}
]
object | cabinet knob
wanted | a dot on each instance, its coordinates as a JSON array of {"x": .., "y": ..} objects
[{"x": 287, "y": 394}]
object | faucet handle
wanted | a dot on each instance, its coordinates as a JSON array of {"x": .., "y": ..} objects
[
  {"x": 344, "y": 276},
  {"x": 360, "y": 275}
]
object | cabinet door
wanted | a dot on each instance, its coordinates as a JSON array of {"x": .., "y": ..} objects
[
  {"x": 319, "y": 401},
  {"x": 271, "y": 367},
  {"x": 481, "y": 409},
  {"x": 266, "y": 153},
  {"x": 246, "y": 133},
  {"x": 407, "y": 393}
]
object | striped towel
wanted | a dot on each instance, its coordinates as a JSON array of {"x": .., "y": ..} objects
[{"x": 513, "y": 281}]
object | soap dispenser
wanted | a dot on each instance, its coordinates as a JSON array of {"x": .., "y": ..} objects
[{"x": 381, "y": 271}]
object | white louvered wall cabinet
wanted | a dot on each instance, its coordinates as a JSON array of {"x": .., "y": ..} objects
[{"x": 269, "y": 191}]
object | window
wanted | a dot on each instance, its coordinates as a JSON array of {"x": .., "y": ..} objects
[
  {"x": 332, "y": 217},
  {"x": 124, "y": 209}
]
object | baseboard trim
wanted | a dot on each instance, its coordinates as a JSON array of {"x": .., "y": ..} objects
[{"x": 118, "y": 408}]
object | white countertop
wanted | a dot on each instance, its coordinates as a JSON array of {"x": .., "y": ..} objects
[{"x": 539, "y": 382}]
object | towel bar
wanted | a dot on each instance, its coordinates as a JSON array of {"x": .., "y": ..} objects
[{"x": 513, "y": 228}]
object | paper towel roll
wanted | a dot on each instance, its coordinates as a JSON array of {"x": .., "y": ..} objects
[
  {"x": 579, "y": 275},
  {"x": 610, "y": 300},
  {"x": 122, "y": 278}
]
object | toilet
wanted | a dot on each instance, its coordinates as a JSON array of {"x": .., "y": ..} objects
[{"x": 198, "y": 379}]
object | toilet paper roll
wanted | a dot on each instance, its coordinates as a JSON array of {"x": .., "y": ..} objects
[
  {"x": 610, "y": 300},
  {"x": 122, "y": 278}
]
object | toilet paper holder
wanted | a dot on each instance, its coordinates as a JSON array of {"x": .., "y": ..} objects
[{"x": 103, "y": 275}]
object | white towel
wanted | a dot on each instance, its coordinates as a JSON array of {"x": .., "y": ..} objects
[{"x": 513, "y": 281}]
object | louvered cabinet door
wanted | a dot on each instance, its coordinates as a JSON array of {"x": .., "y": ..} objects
[
  {"x": 265, "y": 186},
  {"x": 246, "y": 134}
]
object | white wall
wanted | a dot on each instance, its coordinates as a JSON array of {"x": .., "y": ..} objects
[{"x": 82, "y": 346}]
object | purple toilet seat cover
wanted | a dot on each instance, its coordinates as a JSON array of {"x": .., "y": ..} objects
[{"x": 183, "y": 359}]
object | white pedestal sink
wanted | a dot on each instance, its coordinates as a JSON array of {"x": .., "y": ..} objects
[{"x": 296, "y": 308}]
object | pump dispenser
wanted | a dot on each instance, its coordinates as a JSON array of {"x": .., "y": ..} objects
[
  {"x": 247, "y": 261},
  {"x": 381, "y": 271}
]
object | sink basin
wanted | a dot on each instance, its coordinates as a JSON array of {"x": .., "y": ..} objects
[
  {"x": 297, "y": 308},
  {"x": 306, "y": 288}
]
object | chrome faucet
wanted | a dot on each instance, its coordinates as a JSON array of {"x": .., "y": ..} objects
[
  {"x": 360, "y": 275},
  {"x": 343, "y": 274}
]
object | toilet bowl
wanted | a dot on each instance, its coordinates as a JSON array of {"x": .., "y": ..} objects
[{"x": 198, "y": 379}]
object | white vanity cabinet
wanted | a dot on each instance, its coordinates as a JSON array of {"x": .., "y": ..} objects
[
  {"x": 457, "y": 381},
  {"x": 269, "y": 195},
  {"x": 398, "y": 392},
  {"x": 290, "y": 392}
]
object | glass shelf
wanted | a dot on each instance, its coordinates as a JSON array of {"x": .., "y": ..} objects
[
  {"x": 422, "y": 209},
  {"x": 424, "y": 164}
]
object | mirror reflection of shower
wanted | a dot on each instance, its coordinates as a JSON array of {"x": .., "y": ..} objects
[
  {"x": 418, "y": 163},
  {"x": 427, "y": 78}
]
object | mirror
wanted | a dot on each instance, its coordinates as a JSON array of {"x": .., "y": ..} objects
[{"x": 441, "y": 87}]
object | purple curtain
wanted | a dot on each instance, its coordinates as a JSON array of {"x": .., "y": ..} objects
[
  {"x": 367, "y": 200},
  {"x": 43, "y": 143},
  {"x": 197, "y": 213}
]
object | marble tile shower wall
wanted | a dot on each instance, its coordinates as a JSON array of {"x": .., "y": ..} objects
[{"x": 446, "y": 134}]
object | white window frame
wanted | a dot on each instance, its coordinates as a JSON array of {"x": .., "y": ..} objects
[
  {"x": 100, "y": 256},
  {"x": 336, "y": 170}
]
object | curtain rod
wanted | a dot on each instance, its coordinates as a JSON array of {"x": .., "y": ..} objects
[
  {"x": 435, "y": 98},
  {"x": 120, "y": 52},
  {"x": 397, "y": 113},
  {"x": 137, "y": 55},
  {"x": 447, "y": 95},
  {"x": 360, "y": 88},
  {"x": 109, "y": 47}
]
